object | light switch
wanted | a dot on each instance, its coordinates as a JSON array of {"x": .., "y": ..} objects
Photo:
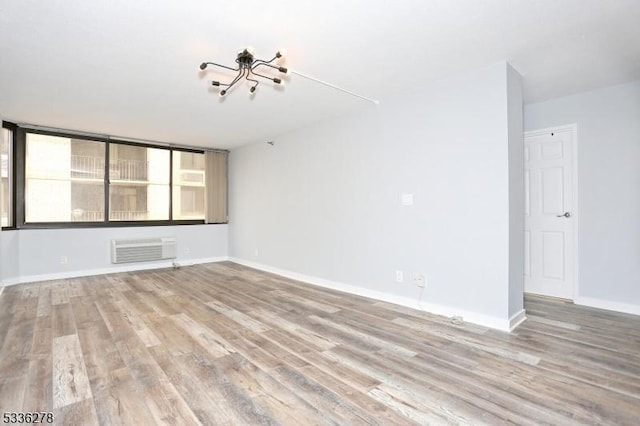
[{"x": 407, "y": 199}]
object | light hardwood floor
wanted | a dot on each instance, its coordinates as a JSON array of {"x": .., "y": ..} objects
[{"x": 224, "y": 344}]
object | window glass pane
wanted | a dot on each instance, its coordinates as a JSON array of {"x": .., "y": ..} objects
[
  {"x": 6, "y": 187},
  {"x": 188, "y": 185},
  {"x": 64, "y": 179},
  {"x": 138, "y": 183}
]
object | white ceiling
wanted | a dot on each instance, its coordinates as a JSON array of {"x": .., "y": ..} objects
[{"x": 129, "y": 68}]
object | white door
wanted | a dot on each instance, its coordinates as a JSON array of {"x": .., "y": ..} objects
[{"x": 549, "y": 212}]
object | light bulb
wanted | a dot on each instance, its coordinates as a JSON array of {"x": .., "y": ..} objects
[{"x": 249, "y": 49}]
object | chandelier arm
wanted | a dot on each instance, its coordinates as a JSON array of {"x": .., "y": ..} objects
[
  {"x": 262, "y": 62},
  {"x": 222, "y": 66},
  {"x": 270, "y": 66},
  {"x": 235, "y": 80},
  {"x": 253, "y": 88},
  {"x": 263, "y": 76}
]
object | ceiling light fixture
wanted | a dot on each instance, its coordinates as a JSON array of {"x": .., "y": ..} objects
[{"x": 247, "y": 65}]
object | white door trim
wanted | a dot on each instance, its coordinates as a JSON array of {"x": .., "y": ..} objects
[{"x": 575, "y": 214}]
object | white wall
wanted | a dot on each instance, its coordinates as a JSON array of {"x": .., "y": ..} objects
[
  {"x": 608, "y": 144},
  {"x": 35, "y": 254},
  {"x": 323, "y": 203},
  {"x": 9, "y": 257}
]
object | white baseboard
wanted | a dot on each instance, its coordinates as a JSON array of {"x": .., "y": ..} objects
[
  {"x": 608, "y": 305},
  {"x": 9, "y": 281},
  {"x": 447, "y": 311},
  {"x": 129, "y": 267},
  {"x": 517, "y": 319}
]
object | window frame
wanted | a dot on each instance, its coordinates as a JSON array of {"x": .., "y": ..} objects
[
  {"x": 12, "y": 173},
  {"x": 173, "y": 184},
  {"x": 19, "y": 181}
]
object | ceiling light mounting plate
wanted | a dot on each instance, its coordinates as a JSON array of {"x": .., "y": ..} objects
[{"x": 245, "y": 59}]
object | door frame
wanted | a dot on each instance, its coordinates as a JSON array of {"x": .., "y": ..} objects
[{"x": 573, "y": 128}]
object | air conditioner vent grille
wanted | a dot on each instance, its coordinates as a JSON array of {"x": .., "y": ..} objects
[{"x": 142, "y": 250}]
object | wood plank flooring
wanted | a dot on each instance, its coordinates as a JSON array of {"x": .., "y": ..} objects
[{"x": 224, "y": 344}]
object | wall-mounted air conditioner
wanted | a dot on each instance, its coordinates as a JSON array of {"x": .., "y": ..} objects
[{"x": 141, "y": 250}]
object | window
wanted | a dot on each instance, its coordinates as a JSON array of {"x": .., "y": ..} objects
[
  {"x": 64, "y": 179},
  {"x": 188, "y": 185},
  {"x": 68, "y": 180},
  {"x": 6, "y": 181},
  {"x": 139, "y": 183}
]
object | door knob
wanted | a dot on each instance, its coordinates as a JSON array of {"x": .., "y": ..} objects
[{"x": 565, "y": 214}]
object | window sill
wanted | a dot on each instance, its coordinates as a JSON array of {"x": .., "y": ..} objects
[{"x": 123, "y": 224}]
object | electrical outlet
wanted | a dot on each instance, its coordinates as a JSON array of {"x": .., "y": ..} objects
[
  {"x": 407, "y": 199},
  {"x": 420, "y": 280},
  {"x": 399, "y": 276},
  {"x": 63, "y": 260}
]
